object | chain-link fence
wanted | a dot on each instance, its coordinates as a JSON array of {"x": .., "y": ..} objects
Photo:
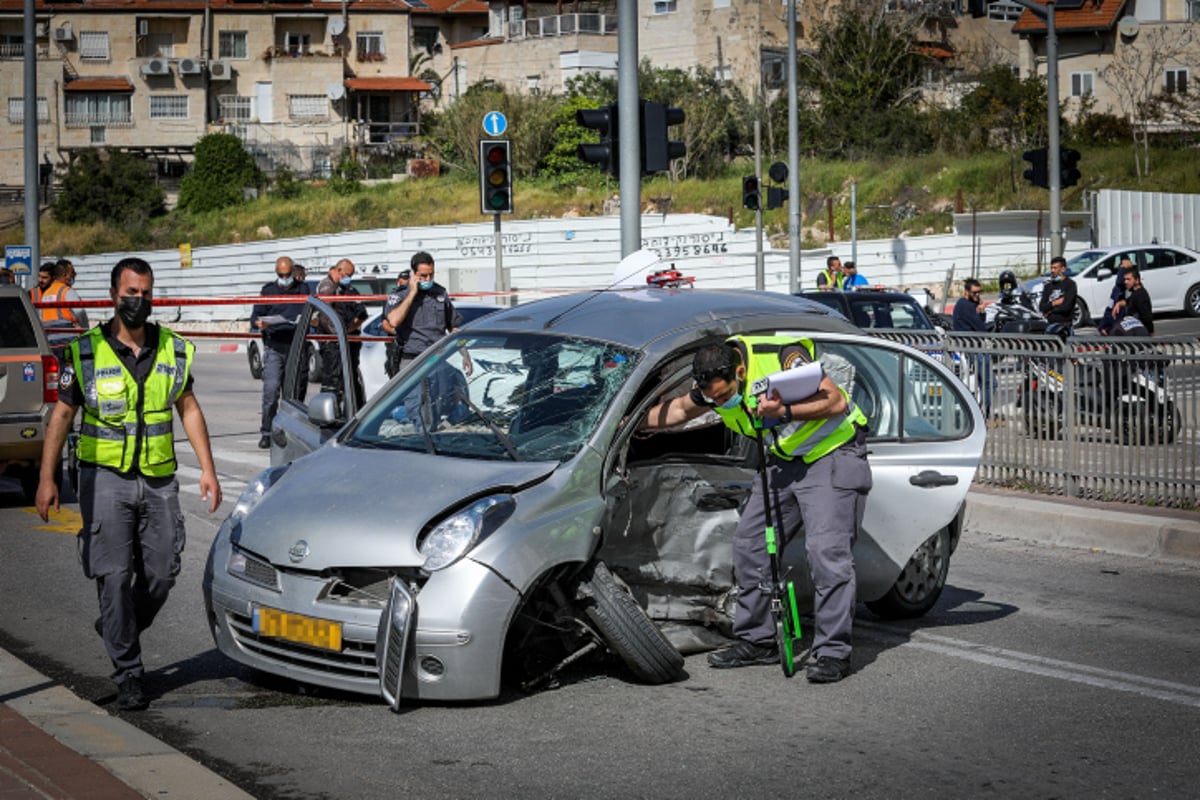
[{"x": 1096, "y": 417}]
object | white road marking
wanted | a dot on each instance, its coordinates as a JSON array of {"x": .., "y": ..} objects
[
  {"x": 1169, "y": 691},
  {"x": 189, "y": 481}
]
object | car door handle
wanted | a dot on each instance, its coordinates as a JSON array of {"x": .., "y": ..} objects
[{"x": 932, "y": 477}]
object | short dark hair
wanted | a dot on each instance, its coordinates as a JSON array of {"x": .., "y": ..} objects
[
  {"x": 421, "y": 257},
  {"x": 137, "y": 265},
  {"x": 718, "y": 360},
  {"x": 47, "y": 267},
  {"x": 1135, "y": 272},
  {"x": 62, "y": 268},
  {"x": 849, "y": 265},
  {"x": 1058, "y": 260},
  {"x": 829, "y": 261},
  {"x": 969, "y": 284}
]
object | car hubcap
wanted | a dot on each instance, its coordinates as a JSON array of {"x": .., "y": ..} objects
[{"x": 924, "y": 569}]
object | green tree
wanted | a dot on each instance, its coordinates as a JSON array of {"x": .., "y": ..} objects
[
  {"x": 108, "y": 186},
  {"x": 221, "y": 170}
]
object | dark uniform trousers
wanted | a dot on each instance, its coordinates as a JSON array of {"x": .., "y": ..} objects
[{"x": 828, "y": 497}]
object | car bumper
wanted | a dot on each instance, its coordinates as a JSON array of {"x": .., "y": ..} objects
[
  {"x": 21, "y": 437},
  {"x": 455, "y": 632}
]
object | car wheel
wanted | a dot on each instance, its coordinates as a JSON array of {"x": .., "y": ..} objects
[
  {"x": 920, "y": 583},
  {"x": 1191, "y": 301},
  {"x": 1080, "y": 317},
  {"x": 314, "y": 364},
  {"x": 254, "y": 356},
  {"x": 626, "y": 628}
]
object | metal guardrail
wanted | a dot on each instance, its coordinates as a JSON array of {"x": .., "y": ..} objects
[{"x": 1097, "y": 417}]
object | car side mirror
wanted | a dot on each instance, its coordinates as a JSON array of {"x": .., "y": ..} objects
[
  {"x": 323, "y": 410},
  {"x": 1103, "y": 273}
]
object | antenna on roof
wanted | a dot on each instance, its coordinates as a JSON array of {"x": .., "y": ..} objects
[{"x": 632, "y": 264}]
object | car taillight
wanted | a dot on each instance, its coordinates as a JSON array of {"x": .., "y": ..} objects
[{"x": 50, "y": 378}]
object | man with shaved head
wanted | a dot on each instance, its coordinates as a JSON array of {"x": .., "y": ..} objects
[
  {"x": 338, "y": 283},
  {"x": 276, "y": 321}
]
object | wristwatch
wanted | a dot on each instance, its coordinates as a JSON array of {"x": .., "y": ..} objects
[{"x": 787, "y": 414}]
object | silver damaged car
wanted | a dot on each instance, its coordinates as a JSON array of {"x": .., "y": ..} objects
[{"x": 492, "y": 515}]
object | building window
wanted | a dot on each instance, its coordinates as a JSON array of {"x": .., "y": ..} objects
[
  {"x": 93, "y": 45},
  {"x": 720, "y": 3},
  {"x": 533, "y": 83},
  {"x": 96, "y": 134},
  {"x": 1177, "y": 80},
  {"x": 425, "y": 38},
  {"x": 297, "y": 43},
  {"x": 1193, "y": 10},
  {"x": 231, "y": 44},
  {"x": 1082, "y": 83},
  {"x": 98, "y": 109},
  {"x": 369, "y": 45},
  {"x": 160, "y": 45},
  {"x": 308, "y": 106},
  {"x": 1004, "y": 10},
  {"x": 16, "y": 110},
  {"x": 723, "y": 73},
  {"x": 168, "y": 106},
  {"x": 664, "y": 6},
  {"x": 234, "y": 108},
  {"x": 12, "y": 45}
]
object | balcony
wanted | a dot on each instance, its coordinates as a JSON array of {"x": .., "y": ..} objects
[
  {"x": 108, "y": 120},
  {"x": 283, "y": 54},
  {"x": 14, "y": 51},
  {"x": 563, "y": 25}
]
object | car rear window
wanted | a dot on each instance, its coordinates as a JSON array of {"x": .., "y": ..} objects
[{"x": 16, "y": 329}]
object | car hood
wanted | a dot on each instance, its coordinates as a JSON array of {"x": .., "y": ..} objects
[{"x": 355, "y": 507}]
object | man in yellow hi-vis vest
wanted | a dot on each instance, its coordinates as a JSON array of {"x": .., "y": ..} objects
[
  {"x": 818, "y": 475},
  {"x": 128, "y": 375}
]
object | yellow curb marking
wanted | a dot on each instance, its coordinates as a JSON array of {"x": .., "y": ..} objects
[{"x": 67, "y": 521}]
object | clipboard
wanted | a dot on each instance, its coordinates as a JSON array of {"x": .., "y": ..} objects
[{"x": 793, "y": 385}]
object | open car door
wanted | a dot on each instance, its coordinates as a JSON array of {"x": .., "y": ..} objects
[{"x": 302, "y": 424}]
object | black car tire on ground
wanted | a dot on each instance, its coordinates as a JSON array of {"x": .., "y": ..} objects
[
  {"x": 920, "y": 583},
  {"x": 627, "y": 629},
  {"x": 1079, "y": 316},
  {"x": 254, "y": 356},
  {"x": 1191, "y": 301}
]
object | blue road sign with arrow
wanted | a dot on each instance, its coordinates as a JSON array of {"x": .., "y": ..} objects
[{"x": 494, "y": 123}]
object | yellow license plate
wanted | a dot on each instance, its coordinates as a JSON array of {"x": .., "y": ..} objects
[
  {"x": 934, "y": 390},
  {"x": 298, "y": 628}
]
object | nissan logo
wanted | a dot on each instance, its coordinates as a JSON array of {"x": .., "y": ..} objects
[{"x": 298, "y": 552}]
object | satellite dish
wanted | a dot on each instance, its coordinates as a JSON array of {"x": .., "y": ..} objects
[
  {"x": 335, "y": 91},
  {"x": 337, "y": 26},
  {"x": 1129, "y": 27}
]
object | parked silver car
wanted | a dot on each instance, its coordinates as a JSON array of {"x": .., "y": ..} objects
[{"x": 460, "y": 528}]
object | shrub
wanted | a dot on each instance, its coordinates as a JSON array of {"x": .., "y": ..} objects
[
  {"x": 219, "y": 174},
  {"x": 111, "y": 187}
]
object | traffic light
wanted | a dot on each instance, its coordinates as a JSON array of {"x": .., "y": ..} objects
[
  {"x": 776, "y": 197},
  {"x": 751, "y": 197},
  {"x": 1038, "y": 174},
  {"x": 606, "y": 154},
  {"x": 1068, "y": 160},
  {"x": 657, "y": 147},
  {"x": 495, "y": 177}
]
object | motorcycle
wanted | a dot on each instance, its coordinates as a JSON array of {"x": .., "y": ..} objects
[{"x": 1127, "y": 397}]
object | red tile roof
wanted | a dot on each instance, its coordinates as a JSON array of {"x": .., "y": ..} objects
[
  {"x": 1093, "y": 15},
  {"x": 98, "y": 85},
  {"x": 387, "y": 85},
  {"x": 476, "y": 43},
  {"x": 935, "y": 50}
]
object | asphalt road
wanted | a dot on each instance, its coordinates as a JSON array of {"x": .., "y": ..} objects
[{"x": 1041, "y": 673}]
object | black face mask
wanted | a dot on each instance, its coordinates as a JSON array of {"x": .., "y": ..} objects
[{"x": 133, "y": 311}]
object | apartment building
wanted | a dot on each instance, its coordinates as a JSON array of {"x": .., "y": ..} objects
[{"x": 297, "y": 80}]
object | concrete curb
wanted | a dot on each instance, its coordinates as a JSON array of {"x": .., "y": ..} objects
[
  {"x": 1061, "y": 524},
  {"x": 146, "y": 765}
]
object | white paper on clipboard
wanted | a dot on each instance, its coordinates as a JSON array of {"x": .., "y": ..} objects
[{"x": 793, "y": 385}]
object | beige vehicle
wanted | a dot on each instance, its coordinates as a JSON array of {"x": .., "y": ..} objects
[{"x": 28, "y": 388}]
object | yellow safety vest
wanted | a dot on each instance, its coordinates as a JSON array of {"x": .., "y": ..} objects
[
  {"x": 118, "y": 415},
  {"x": 833, "y": 280},
  {"x": 804, "y": 439}
]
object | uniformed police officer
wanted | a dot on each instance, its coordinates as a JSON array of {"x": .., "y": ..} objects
[
  {"x": 819, "y": 476},
  {"x": 424, "y": 315},
  {"x": 127, "y": 375}
]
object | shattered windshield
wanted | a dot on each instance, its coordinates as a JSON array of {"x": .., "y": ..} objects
[{"x": 518, "y": 397}]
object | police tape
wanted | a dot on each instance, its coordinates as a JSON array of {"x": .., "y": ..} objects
[{"x": 282, "y": 299}]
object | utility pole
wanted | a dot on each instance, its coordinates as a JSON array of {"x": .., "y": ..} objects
[
  {"x": 793, "y": 152},
  {"x": 628, "y": 126},
  {"x": 33, "y": 234},
  {"x": 759, "y": 267}
]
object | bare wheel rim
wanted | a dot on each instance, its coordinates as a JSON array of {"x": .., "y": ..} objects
[{"x": 924, "y": 570}]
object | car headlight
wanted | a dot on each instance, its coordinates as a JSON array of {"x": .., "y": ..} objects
[
  {"x": 451, "y": 538},
  {"x": 254, "y": 492}
]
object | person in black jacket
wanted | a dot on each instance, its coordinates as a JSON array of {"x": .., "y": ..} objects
[
  {"x": 1058, "y": 295},
  {"x": 968, "y": 317},
  {"x": 338, "y": 282},
  {"x": 277, "y": 322},
  {"x": 1136, "y": 303}
]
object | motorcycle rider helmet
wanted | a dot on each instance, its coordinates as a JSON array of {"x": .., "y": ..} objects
[{"x": 1008, "y": 285}]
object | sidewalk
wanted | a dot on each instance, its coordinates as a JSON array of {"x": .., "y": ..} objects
[{"x": 54, "y": 744}]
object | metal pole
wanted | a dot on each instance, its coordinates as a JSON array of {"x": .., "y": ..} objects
[
  {"x": 760, "y": 279},
  {"x": 498, "y": 244},
  {"x": 854, "y": 222},
  {"x": 629, "y": 127},
  {"x": 32, "y": 185},
  {"x": 793, "y": 152},
  {"x": 1052, "y": 160}
]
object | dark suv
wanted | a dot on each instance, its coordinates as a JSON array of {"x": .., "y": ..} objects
[
  {"x": 872, "y": 308},
  {"x": 28, "y": 388}
]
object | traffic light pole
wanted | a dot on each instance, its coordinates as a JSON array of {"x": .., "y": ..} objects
[
  {"x": 760, "y": 278},
  {"x": 794, "y": 218},
  {"x": 498, "y": 245},
  {"x": 629, "y": 127}
]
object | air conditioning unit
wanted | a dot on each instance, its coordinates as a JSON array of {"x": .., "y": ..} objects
[
  {"x": 156, "y": 66},
  {"x": 63, "y": 33},
  {"x": 190, "y": 66},
  {"x": 219, "y": 70},
  {"x": 42, "y": 30}
]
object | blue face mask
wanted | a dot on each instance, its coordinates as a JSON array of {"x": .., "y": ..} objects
[
  {"x": 286, "y": 282},
  {"x": 425, "y": 285},
  {"x": 345, "y": 281},
  {"x": 1056, "y": 278},
  {"x": 732, "y": 402}
]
